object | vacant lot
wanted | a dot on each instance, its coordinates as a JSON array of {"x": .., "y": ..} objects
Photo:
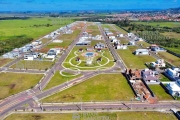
[
  {"x": 170, "y": 58},
  {"x": 4, "y": 61},
  {"x": 99, "y": 88},
  {"x": 32, "y": 27},
  {"x": 59, "y": 79},
  {"x": 134, "y": 61},
  {"x": 84, "y": 116},
  {"x": 172, "y": 35},
  {"x": 160, "y": 24},
  {"x": 40, "y": 65},
  {"x": 120, "y": 30},
  {"x": 143, "y": 44},
  {"x": 160, "y": 92},
  {"x": 12, "y": 83},
  {"x": 93, "y": 29}
]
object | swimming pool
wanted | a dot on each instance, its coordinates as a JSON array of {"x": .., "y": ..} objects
[{"x": 89, "y": 54}]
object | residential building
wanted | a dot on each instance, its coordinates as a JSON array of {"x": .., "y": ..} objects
[
  {"x": 141, "y": 52},
  {"x": 150, "y": 76},
  {"x": 173, "y": 73},
  {"x": 121, "y": 46},
  {"x": 99, "y": 45},
  {"x": 158, "y": 63},
  {"x": 174, "y": 88}
]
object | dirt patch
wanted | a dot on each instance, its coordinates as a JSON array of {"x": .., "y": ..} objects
[
  {"x": 68, "y": 96},
  {"x": 11, "y": 86},
  {"x": 43, "y": 50},
  {"x": 37, "y": 117}
]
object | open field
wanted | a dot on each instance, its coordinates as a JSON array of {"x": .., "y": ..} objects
[
  {"x": 160, "y": 24},
  {"x": 58, "y": 79},
  {"x": 172, "y": 35},
  {"x": 93, "y": 29},
  {"x": 109, "y": 116},
  {"x": 170, "y": 58},
  {"x": 12, "y": 83},
  {"x": 160, "y": 92},
  {"x": 143, "y": 44},
  {"x": 32, "y": 27},
  {"x": 134, "y": 61},
  {"x": 4, "y": 61},
  {"x": 120, "y": 30},
  {"x": 96, "y": 89},
  {"x": 40, "y": 65}
]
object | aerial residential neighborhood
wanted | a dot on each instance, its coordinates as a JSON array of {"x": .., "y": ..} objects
[{"x": 78, "y": 64}]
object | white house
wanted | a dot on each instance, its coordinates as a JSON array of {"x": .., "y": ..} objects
[
  {"x": 115, "y": 40},
  {"x": 36, "y": 43},
  {"x": 28, "y": 57},
  {"x": 174, "y": 88},
  {"x": 112, "y": 37},
  {"x": 131, "y": 43},
  {"x": 141, "y": 52},
  {"x": 121, "y": 47},
  {"x": 120, "y": 35},
  {"x": 158, "y": 63},
  {"x": 97, "y": 37}
]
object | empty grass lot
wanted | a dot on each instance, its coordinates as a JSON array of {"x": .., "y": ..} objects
[
  {"x": 40, "y": 65},
  {"x": 4, "y": 61},
  {"x": 32, "y": 27},
  {"x": 99, "y": 88},
  {"x": 143, "y": 43},
  {"x": 160, "y": 24},
  {"x": 172, "y": 35},
  {"x": 160, "y": 92},
  {"x": 170, "y": 58},
  {"x": 120, "y": 30},
  {"x": 110, "y": 116},
  {"x": 12, "y": 83},
  {"x": 93, "y": 29},
  {"x": 58, "y": 79},
  {"x": 134, "y": 61}
]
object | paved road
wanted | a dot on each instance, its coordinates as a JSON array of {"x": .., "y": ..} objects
[{"x": 119, "y": 61}]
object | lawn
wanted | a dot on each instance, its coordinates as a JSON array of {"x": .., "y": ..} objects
[
  {"x": 4, "y": 61},
  {"x": 164, "y": 78},
  {"x": 133, "y": 61},
  {"x": 170, "y": 58},
  {"x": 124, "y": 41},
  {"x": 83, "y": 65},
  {"x": 160, "y": 92},
  {"x": 160, "y": 24},
  {"x": 94, "y": 116},
  {"x": 32, "y": 27},
  {"x": 99, "y": 88},
  {"x": 172, "y": 35},
  {"x": 12, "y": 83},
  {"x": 58, "y": 79},
  {"x": 106, "y": 26},
  {"x": 40, "y": 65}
]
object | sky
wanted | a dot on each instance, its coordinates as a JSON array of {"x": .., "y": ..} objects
[{"x": 58, "y": 5}]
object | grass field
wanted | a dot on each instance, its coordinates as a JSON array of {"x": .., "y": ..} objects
[
  {"x": 93, "y": 29},
  {"x": 40, "y": 65},
  {"x": 58, "y": 79},
  {"x": 4, "y": 61},
  {"x": 170, "y": 58},
  {"x": 120, "y": 30},
  {"x": 160, "y": 92},
  {"x": 33, "y": 27},
  {"x": 172, "y": 35},
  {"x": 109, "y": 116},
  {"x": 163, "y": 78},
  {"x": 160, "y": 24},
  {"x": 99, "y": 88},
  {"x": 133, "y": 61},
  {"x": 143, "y": 44},
  {"x": 12, "y": 83}
]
